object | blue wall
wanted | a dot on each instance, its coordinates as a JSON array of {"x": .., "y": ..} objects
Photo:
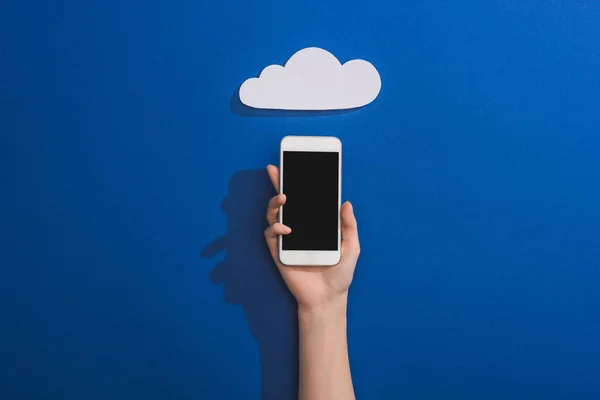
[{"x": 132, "y": 264}]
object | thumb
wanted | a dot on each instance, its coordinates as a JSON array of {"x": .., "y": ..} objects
[{"x": 349, "y": 227}]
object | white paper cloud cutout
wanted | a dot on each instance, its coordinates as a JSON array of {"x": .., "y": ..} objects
[{"x": 313, "y": 79}]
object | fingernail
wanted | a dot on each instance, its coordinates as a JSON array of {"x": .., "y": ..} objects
[{"x": 287, "y": 229}]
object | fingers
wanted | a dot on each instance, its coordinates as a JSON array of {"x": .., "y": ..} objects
[
  {"x": 277, "y": 229},
  {"x": 273, "y": 208},
  {"x": 350, "y": 242},
  {"x": 271, "y": 235},
  {"x": 273, "y": 172}
]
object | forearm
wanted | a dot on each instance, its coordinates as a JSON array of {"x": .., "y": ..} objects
[{"x": 324, "y": 363}]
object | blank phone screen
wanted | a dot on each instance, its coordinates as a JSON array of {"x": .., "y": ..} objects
[{"x": 310, "y": 183}]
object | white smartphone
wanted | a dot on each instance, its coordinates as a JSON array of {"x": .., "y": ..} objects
[{"x": 311, "y": 178}]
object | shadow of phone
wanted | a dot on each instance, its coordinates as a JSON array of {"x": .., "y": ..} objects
[{"x": 251, "y": 279}]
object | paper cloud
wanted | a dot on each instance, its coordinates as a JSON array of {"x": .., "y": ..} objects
[{"x": 313, "y": 79}]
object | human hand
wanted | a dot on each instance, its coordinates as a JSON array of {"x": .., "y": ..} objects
[{"x": 314, "y": 286}]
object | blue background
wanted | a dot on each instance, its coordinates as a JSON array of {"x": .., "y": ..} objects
[{"x": 132, "y": 263}]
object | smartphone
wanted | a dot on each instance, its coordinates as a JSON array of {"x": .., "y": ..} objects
[{"x": 311, "y": 178}]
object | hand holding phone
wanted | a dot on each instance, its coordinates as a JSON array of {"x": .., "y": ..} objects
[{"x": 313, "y": 285}]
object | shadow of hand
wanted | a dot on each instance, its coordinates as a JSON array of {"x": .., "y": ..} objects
[{"x": 252, "y": 280}]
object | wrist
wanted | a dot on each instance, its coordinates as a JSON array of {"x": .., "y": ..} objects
[{"x": 331, "y": 308}]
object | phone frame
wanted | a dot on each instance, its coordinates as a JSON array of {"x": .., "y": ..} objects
[{"x": 313, "y": 144}]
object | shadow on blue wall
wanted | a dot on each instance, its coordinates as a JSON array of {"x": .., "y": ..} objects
[
  {"x": 239, "y": 108},
  {"x": 251, "y": 279}
]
